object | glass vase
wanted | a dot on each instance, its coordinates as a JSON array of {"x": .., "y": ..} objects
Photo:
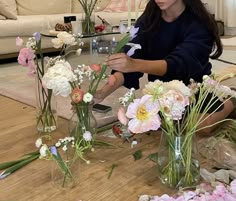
[
  {"x": 46, "y": 107},
  {"x": 66, "y": 176},
  {"x": 88, "y": 23},
  {"x": 82, "y": 121},
  {"x": 177, "y": 161}
]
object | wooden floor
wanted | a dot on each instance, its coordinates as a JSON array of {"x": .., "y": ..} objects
[{"x": 32, "y": 183}]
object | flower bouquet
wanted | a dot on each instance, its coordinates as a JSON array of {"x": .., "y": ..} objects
[
  {"x": 80, "y": 84},
  {"x": 31, "y": 56},
  {"x": 65, "y": 155},
  {"x": 178, "y": 110}
]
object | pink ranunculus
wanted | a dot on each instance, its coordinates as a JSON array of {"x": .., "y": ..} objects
[
  {"x": 122, "y": 117},
  {"x": 25, "y": 57},
  {"x": 77, "y": 95},
  {"x": 96, "y": 67},
  {"x": 19, "y": 41},
  {"x": 111, "y": 80}
]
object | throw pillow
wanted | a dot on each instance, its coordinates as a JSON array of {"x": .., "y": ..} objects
[
  {"x": 120, "y": 6},
  {"x": 6, "y": 10},
  {"x": 43, "y": 7},
  {"x": 2, "y": 17}
]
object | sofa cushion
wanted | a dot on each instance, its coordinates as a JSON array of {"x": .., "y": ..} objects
[
  {"x": 8, "y": 9},
  {"x": 120, "y": 6},
  {"x": 2, "y": 17},
  {"x": 43, "y": 7},
  {"x": 76, "y": 7},
  {"x": 26, "y": 25}
]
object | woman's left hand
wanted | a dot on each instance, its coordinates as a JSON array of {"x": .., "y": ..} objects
[{"x": 120, "y": 62}]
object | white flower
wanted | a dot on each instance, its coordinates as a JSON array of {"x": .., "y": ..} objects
[
  {"x": 38, "y": 142},
  {"x": 63, "y": 38},
  {"x": 144, "y": 198},
  {"x": 87, "y": 136},
  {"x": 43, "y": 150},
  {"x": 87, "y": 97},
  {"x": 133, "y": 48},
  {"x": 64, "y": 148},
  {"x": 178, "y": 86},
  {"x": 58, "y": 144},
  {"x": 58, "y": 77},
  {"x": 78, "y": 52}
]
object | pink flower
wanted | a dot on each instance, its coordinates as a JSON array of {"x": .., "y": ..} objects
[
  {"x": 173, "y": 104},
  {"x": 77, "y": 95},
  {"x": 111, "y": 80},
  {"x": 233, "y": 186},
  {"x": 19, "y": 41},
  {"x": 32, "y": 68},
  {"x": 122, "y": 117},
  {"x": 26, "y": 56},
  {"x": 96, "y": 67},
  {"x": 143, "y": 114}
]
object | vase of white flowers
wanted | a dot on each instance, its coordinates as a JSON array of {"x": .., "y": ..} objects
[
  {"x": 83, "y": 123},
  {"x": 65, "y": 168},
  {"x": 46, "y": 107}
]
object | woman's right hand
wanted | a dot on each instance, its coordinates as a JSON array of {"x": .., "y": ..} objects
[{"x": 98, "y": 97}]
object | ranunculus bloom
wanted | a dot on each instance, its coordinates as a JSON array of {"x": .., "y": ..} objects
[
  {"x": 96, "y": 67},
  {"x": 122, "y": 117},
  {"x": 63, "y": 38},
  {"x": 87, "y": 97},
  {"x": 26, "y": 56},
  {"x": 111, "y": 80},
  {"x": 77, "y": 95},
  {"x": 144, "y": 115}
]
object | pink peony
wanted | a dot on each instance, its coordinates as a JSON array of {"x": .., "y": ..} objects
[{"x": 26, "y": 56}]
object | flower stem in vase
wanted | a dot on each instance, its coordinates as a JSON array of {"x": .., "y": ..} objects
[{"x": 45, "y": 108}]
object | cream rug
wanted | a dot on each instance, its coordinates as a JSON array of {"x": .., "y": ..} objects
[
  {"x": 229, "y": 41},
  {"x": 15, "y": 83}
]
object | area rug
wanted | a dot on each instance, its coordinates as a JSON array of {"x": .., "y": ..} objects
[
  {"x": 229, "y": 41},
  {"x": 15, "y": 84}
]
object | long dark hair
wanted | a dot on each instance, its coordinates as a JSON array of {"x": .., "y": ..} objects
[{"x": 152, "y": 18}]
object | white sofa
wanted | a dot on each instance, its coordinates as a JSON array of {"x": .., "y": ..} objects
[{"x": 24, "y": 17}]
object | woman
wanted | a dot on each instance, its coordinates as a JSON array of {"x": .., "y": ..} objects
[{"x": 177, "y": 37}]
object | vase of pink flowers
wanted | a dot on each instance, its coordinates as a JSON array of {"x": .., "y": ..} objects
[
  {"x": 31, "y": 56},
  {"x": 177, "y": 110}
]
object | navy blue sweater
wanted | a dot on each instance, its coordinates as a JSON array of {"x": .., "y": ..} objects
[{"x": 185, "y": 44}]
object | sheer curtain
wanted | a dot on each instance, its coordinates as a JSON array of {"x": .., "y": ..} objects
[{"x": 225, "y": 10}]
